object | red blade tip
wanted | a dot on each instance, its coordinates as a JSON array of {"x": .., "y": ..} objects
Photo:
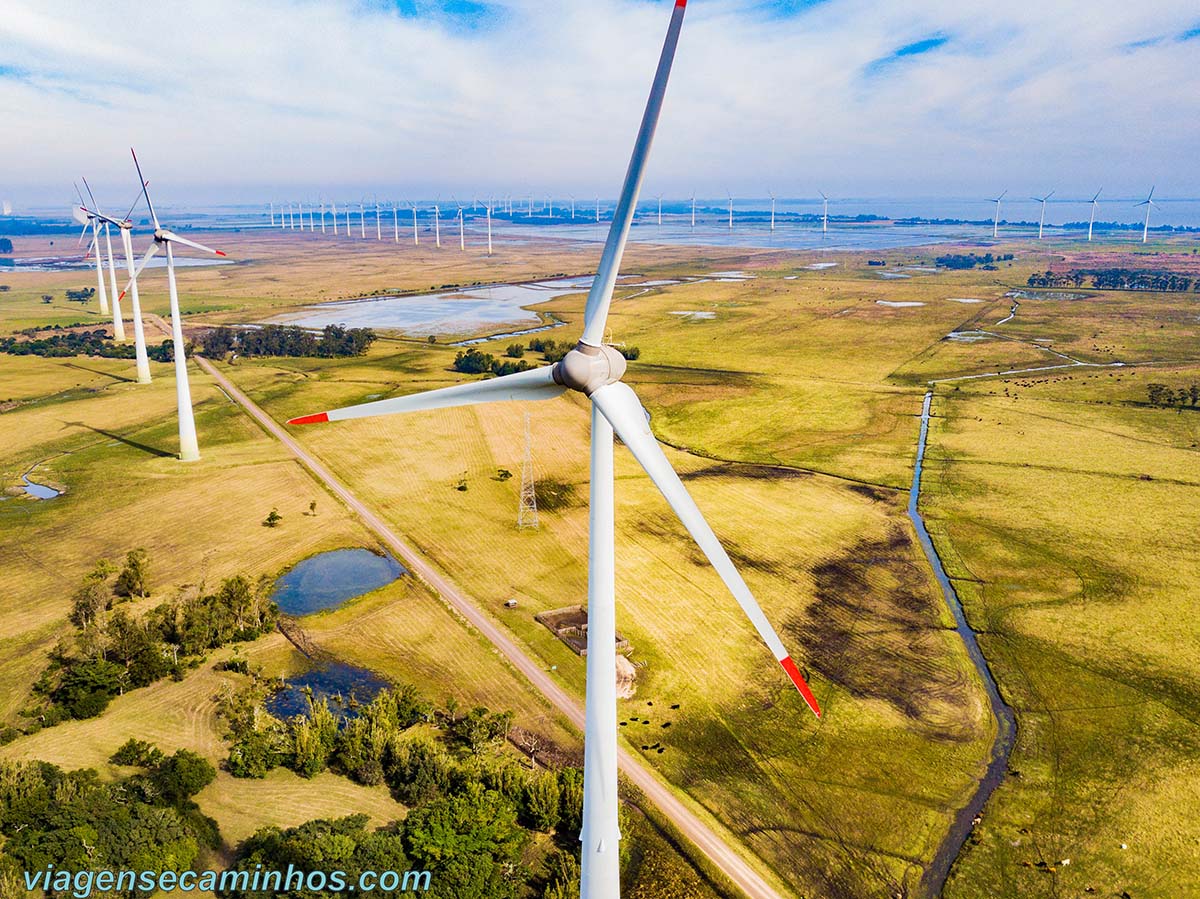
[
  {"x": 798, "y": 679},
  {"x": 318, "y": 419},
  {"x": 121, "y": 297},
  {"x": 218, "y": 252}
]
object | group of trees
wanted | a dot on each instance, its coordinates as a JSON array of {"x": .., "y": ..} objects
[
  {"x": 970, "y": 260},
  {"x": 1117, "y": 279},
  {"x": 286, "y": 340},
  {"x": 78, "y": 343},
  {"x": 115, "y": 650},
  {"x": 71, "y": 820},
  {"x": 1162, "y": 395},
  {"x": 472, "y": 802},
  {"x": 475, "y": 362}
]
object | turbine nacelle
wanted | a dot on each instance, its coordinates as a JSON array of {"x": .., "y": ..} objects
[{"x": 588, "y": 368}]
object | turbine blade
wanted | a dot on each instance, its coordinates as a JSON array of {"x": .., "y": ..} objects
[
  {"x": 145, "y": 190},
  {"x": 619, "y": 404},
  {"x": 600, "y": 296},
  {"x": 175, "y": 238},
  {"x": 137, "y": 271},
  {"x": 534, "y": 384}
]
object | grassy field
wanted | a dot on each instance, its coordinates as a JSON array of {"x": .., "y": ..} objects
[{"x": 790, "y": 407}]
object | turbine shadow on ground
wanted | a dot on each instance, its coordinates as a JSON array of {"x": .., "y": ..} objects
[
  {"x": 145, "y": 448},
  {"x": 97, "y": 371}
]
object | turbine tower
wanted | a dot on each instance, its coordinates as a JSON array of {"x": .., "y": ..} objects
[
  {"x": 362, "y": 221},
  {"x": 731, "y": 212},
  {"x": 527, "y": 516},
  {"x": 824, "y": 212},
  {"x": 395, "y": 224},
  {"x": 1149, "y": 204},
  {"x": 416, "y": 237},
  {"x": 437, "y": 226},
  {"x": 462, "y": 237},
  {"x": 595, "y": 370},
  {"x": 97, "y": 220},
  {"x": 996, "y": 217},
  {"x": 94, "y": 222},
  {"x": 189, "y": 450},
  {"x": 693, "y": 212},
  {"x": 1042, "y": 220},
  {"x": 1092, "y": 217},
  {"x": 349, "y": 233},
  {"x": 660, "y": 210},
  {"x": 272, "y": 215},
  {"x": 333, "y": 207},
  {"x": 322, "y": 216},
  {"x": 378, "y": 230},
  {"x": 772, "y": 213},
  {"x": 489, "y": 224}
]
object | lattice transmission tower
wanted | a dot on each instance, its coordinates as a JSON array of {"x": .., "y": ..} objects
[{"x": 527, "y": 514}]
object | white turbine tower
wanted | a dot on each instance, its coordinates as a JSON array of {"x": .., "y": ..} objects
[
  {"x": 462, "y": 236},
  {"x": 595, "y": 370},
  {"x": 349, "y": 233},
  {"x": 996, "y": 217},
  {"x": 489, "y": 226},
  {"x": 437, "y": 226},
  {"x": 1149, "y": 204},
  {"x": 378, "y": 229},
  {"x": 693, "y": 212},
  {"x": 660, "y": 210},
  {"x": 572, "y": 196},
  {"x": 772, "y": 213},
  {"x": 272, "y": 215},
  {"x": 395, "y": 224},
  {"x": 416, "y": 237},
  {"x": 91, "y": 220},
  {"x": 597, "y": 210},
  {"x": 333, "y": 209},
  {"x": 824, "y": 212},
  {"x": 189, "y": 450},
  {"x": 118, "y": 321},
  {"x": 362, "y": 221},
  {"x": 301, "y": 208},
  {"x": 1042, "y": 220},
  {"x": 731, "y": 212},
  {"x": 1092, "y": 217}
]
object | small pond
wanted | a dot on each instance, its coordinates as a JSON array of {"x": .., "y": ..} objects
[
  {"x": 345, "y": 686},
  {"x": 327, "y": 580}
]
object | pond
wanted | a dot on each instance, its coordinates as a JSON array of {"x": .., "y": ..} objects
[
  {"x": 41, "y": 491},
  {"x": 344, "y": 686},
  {"x": 327, "y": 580}
]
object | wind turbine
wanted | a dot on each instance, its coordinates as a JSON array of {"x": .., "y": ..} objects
[
  {"x": 595, "y": 370},
  {"x": 660, "y": 210},
  {"x": 322, "y": 216},
  {"x": 1148, "y": 203},
  {"x": 118, "y": 322},
  {"x": 437, "y": 225},
  {"x": 996, "y": 217},
  {"x": 572, "y": 196},
  {"x": 693, "y": 212},
  {"x": 333, "y": 206},
  {"x": 272, "y": 215},
  {"x": 462, "y": 237},
  {"x": 189, "y": 450},
  {"x": 597, "y": 210},
  {"x": 1042, "y": 220},
  {"x": 416, "y": 238},
  {"x": 125, "y": 226},
  {"x": 824, "y": 212},
  {"x": 1092, "y": 218},
  {"x": 90, "y": 219},
  {"x": 348, "y": 231},
  {"x": 395, "y": 224},
  {"x": 772, "y": 213},
  {"x": 362, "y": 221},
  {"x": 301, "y": 205},
  {"x": 489, "y": 224},
  {"x": 378, "y": 231},
  {"x": 731, "y": 212}
]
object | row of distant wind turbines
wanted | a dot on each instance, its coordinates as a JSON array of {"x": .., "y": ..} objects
[
  {"x": 291, "y": 216},
  {"x": 100, "y": 224}
]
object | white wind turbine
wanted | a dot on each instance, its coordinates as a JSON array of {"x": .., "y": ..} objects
[
  {"x": 1092, "y": 217},
  {"x": 597, "y": 210},
  {"x": 416, "y": 237},
  {"x": 349, "y": 233},
  {"x": 189, "y": 450},
  {"x": 378, "y": 229},
  {"x": 437, "y": 225},
  {"x": 595, "y": 370},
  {"x": 996, "y": 217},
  {"x": 462, "y": 236},
  {"x": 362, "y": 221},
  {"x": 1149, "y": 204},
  {"x": 731, "y": 212},
  {"x": 272, "y": 215},
  {"x": 489, "y": 226},
  {"x": 118, "y": 320},
  {"x": 333, "y": 209},
  {"x": 125, "y": 226},
  {"x": 91, "y": 220},
  {"x": 572, "y": 196},
  {"x": 322, "y": 216},
  {"x": 301, "y": 209},
  {"x": 772, "y": 213},
  {"x": 395, "y": 224},
  {"x": 1042, "y": 220},
  {"x": 693, "y": 212},
  {"x": 660, "y": 210},
  {"x": 824, "y": 212}
]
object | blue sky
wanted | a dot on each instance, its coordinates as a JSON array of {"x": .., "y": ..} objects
[{"x": 397, "y": 97}]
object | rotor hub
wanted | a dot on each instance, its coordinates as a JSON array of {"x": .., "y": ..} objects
[{"x": 588, "y": 368}]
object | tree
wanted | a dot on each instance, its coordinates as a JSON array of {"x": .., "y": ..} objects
[
  {"x": 540, "y": 801},
  {"x": 182, "y": 775},
  {"x": 132, "y": 579},
  {"x": 6, "y": 245},
  {"x": 273, "y": 519},
  {"x": 563, "y": 882},
  {"x": 515, "y": 351},
  {"x": 88, "y": 686}
]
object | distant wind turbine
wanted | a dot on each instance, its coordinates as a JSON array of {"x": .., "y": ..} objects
[
  {"x": 772, "y": 212},
  {"x": 462, "y": 236},
  {"x": 572, "y": 206},
  {"x": 824, "y": 212},
  {"x": 693, "y": 211},
  {"x": 272, "y": 215},
  {"x": 416, "y": 237},
  {"x": 301, "y": 216},
  {"x": 395, "y": 223},
  {"x": 489, "y": 226},
  {"x": 362, "y": 221},
  {"x": 1149, "y": 204},
  {"x": 1092, "y": 217},
  {"x": 1042, "y": 220},
  {"x": 378, "y": 230},
  {"x": 660, "y": 210},
  {"x": 996, "y": 217},
  {"x": 94, "y": 222},
  {"x": 349, "y": 233},
  {"x": 437, "y": 226},
  {"x": 189, "y": 450},
  {"x": 322, "y": 216},
  {"x": 731, "y": 212},
  {"x": 333, "y": 206}
]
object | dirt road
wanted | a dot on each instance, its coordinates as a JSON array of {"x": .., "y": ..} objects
[{"x": 713, "y": 846}]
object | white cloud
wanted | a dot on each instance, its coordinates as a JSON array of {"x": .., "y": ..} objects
[{"x": 258, "y": 100}]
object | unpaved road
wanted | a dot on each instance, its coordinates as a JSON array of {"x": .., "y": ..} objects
[{"x": 713, "y": 846}]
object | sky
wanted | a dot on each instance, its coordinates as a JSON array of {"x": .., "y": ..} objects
[{"x": 282, "y": 99}]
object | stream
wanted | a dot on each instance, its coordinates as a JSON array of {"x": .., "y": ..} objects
[{"x": 1006, "y": 725}]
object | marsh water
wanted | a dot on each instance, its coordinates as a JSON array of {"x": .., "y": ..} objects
[
  {"x": 1006, "y": 724},
  {"x": 41, "y": 491},
  {"x": 329, "y": 579},
  {"x": 344, "y": 686}
]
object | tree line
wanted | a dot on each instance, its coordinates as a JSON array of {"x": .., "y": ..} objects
[
  {"x": 78, "y": 343},
  {"x": 474, "y": 806},
  {"x": 969, "y": 260},
  {"x": 1117, "y": 279},
  {"x": 476, "y": 362},
  {"x": 286, "y": 340},
  {"x": 113, "y": 650},
  {"x": 1162, "y": 395}
]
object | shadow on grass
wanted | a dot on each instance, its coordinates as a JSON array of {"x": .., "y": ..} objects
[
  {"x": 96, "y": 371},
  {"x": 145, "y": 448}
]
